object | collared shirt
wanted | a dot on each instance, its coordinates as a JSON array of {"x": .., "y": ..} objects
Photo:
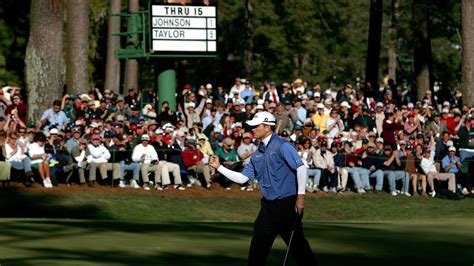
[
  {"x": 274, "y": 165},
  {"x": 59, "y": 119},
  {"x": 447, "y": 160}
]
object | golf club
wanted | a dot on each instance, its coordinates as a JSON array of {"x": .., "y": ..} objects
[{"x": 291, "y": 238}]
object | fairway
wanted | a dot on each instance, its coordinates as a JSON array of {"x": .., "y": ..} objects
[{"x": 137, "y": 229}]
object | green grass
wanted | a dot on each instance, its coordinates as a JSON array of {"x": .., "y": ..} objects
[{"x": 137, "y": 229}]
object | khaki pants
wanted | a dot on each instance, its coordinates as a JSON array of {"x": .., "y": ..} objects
[
  {"x": 103, "y": 168},
  {"x": 166, "y": 168},
  {"x": 451, "y": 178},
  {"x": 202, "y": 169},
  {"x": 147, "y": 168}
]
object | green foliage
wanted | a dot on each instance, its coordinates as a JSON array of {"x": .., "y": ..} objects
[
  {"x": 311, "y": 39},
  {"x": 14, "y": 19}
]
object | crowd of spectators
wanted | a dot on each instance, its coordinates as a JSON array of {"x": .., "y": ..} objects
[{"x": 350, "y": 138}]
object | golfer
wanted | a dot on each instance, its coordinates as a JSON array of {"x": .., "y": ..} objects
[{"x": 281, "y": 177}]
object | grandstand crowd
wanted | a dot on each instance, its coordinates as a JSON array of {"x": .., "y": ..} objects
[{"x": 351, "y": 138}]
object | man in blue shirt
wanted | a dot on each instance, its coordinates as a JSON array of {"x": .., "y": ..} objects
[
  {"x": 281, "y": 176},
  {"x": 54, "y": 117},
  {"x": 452, "y": 164}
]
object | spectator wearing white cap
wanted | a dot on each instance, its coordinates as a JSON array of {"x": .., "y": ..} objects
[
  {"x": 334, "y": 126},
  {"x": 428, "y": 165},
  {"x": 452, "y": 164},
  {"x": 320, "y": 118},
  {"x": 446, "y": 121},
  {"x": 379, "y": 117},
  {"x": 193, "y": 113},
  {"x": 145, "y": 154},
  {"x": 98, "y": 158}
]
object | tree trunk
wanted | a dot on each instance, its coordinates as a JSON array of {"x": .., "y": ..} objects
[
  {"x": 422, "y": 50},
  {"x": 131, "y": 65},
  {"x": 43, "y": 59},
  {"x": 112, "y": 68},
  {"x": 77, "y": 34},
  {"x": 468, "y": 52},
  {"x": 393, "y": 39},
  {"x": 375, "y": 36},
  {"x": 248, "y": 52}
]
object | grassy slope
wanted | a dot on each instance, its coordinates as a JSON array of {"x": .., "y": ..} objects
[{"x": 134, "y": 229}]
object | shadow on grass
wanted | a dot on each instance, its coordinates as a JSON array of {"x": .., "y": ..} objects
[
  {"x": 227, "y": 243},
  {"x": 14, "y": 203}
]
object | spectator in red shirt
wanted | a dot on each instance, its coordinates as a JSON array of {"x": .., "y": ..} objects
[
  {"x": 390, "y": 126},
  {"x": 193, "y": 160}
]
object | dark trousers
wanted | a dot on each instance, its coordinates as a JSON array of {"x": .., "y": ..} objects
[
  {"x": 278, "y": 217},
  {"x": 327, "y": 178}
]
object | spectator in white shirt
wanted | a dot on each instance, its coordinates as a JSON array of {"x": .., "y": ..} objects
[
  {"x": 145, "y": 154},
  {"x": 98, "y": 158},
  {"x": 39, "y": 158},
  {"x": 15, "y": 153},
  {"x": 428, "y": 166}
]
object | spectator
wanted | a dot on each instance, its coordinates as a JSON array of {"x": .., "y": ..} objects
[
  {"x": 15, "y": 153},
  {"x": 122, "y": 152},
  {"x": 228, "y": 157},
  {"x": 392, "y": 170},
  {"x": 146, "y": 155},
  {"x": 430, "y": 170},
  {"x": 17, "y": 108},
  {"x": 452, "y": 164},
  {"x": 371, "y": 167},
  {"x": 54, "y": 117},
  {"x": 323, "y": 160},
  {"x": 99, "y": 158},
  {"x": 320, "y": 118},
  {"x": 39, "y": 158},
  {"x": 411, "y": 166},
  {"x": 195, "y": 160}
]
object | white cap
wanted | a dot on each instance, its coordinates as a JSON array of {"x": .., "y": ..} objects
[
  {"x": 328, "y": 101},
  {"x": 379, "y": 140},
  {"x": 209, "y": 101},
  {"x": 446, "y": 103},
  {"x": 317, "y": 94},
  {"x": 158, "y": 131},
  {"x": 236, "y": 102},
  {"x": 410, "y": 105},
  {"x": 191, "y": 104},
  {"x": 260, "y": 102},
  {"x": 260, "y": 107},
  {"x": 320, "y": 106},
  {"x": 237, "y": 124},
  {"x": 262, "y": 118},
  {"x": 180, "y": 133},
  {"x": 345, "y": 104},
  {"x": 379, "y": 104},
  {"x": 452, "y": 149},
  {"x": 328, "y": 91},
  {"x": 145, "y": 137},
  {"x": 54, "y": 131},
  {"x": 445, "y": 111},
  {"x": 450, "y": 143},
  {"x": 94, "y": 125},
  {"x": 208, "y": 86}
]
